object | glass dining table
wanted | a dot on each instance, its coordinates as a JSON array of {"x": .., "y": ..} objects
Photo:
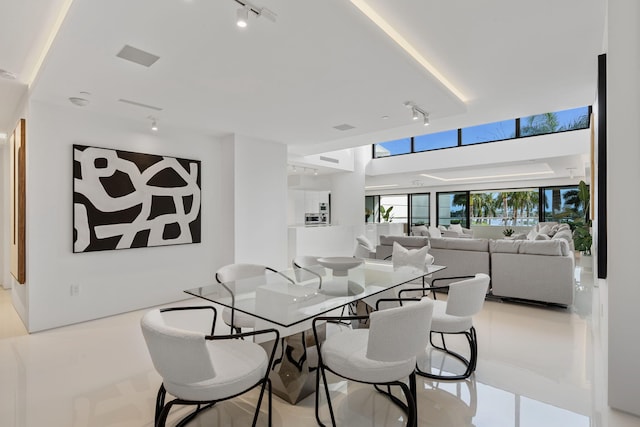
[{"x": 289, "y": 300}]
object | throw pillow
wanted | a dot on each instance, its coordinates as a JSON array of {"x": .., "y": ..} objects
[
  {"x": 456, "y": 227},
  {"x": 545, "y": 230},
  {"x": 417, "y": 258},
  {"x": 362, "y": 240},
  {"x": 532, "y": 235},
  {"x": 542, "y": 236}
]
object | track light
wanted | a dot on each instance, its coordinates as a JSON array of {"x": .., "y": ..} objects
[
  {"x": 417, "y": 111},
  {"x": 243, "y": 16},
  {"x": 154, "y": 123}
]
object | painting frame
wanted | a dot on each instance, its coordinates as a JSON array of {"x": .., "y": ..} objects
[
  {"x": 17, "y": 150},
  {"x": 125, "y": 199}
]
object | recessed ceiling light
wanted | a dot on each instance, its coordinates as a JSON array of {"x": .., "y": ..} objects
[
  {"x": 3, "y": 136},
  {"x": 385, "y": 117},
  {"x": 80, "y": 102}
]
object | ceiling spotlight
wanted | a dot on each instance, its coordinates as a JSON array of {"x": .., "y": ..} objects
[
  {"x": 417, "y": 111},
  {"x": 243, "y": 16},
  {"x": 315, "y": 172},
  {"x": 154, "y": 123}
]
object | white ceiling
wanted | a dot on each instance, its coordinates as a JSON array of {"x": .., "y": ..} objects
[{"x": 321, "y": 64}]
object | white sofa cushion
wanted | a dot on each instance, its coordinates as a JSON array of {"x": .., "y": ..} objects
[
  {"x": 504, "y": 246},
  {"x": 480, "y": 245},
  {"x": 417, "y": 258},
  {"x": 406, "y": 241},
  {"x": 541, "y": 236},
  {"x": 419, "y": 230},
  {"x": 558, "y": 247},
  {"x": 366, "y": 243},
  {"x": 456, "y": 227}
]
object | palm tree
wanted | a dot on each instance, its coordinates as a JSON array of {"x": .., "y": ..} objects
[{"x": 540, "y": 124}]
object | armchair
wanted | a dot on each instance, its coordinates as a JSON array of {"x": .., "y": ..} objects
[
  {"x": 199, "y": 368},
  {"x": 379, "y": 355}
]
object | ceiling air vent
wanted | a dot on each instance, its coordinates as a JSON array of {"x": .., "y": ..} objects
[
  {"x": 138, "y": 56},
  {"x": 329, "y": 159},
  {"x": 344, "y": 127}
]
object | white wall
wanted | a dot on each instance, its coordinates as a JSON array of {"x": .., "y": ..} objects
[
  {"x": 260, "y": 201},
  {"x": 623, "y": 175},
  {"x": 347, "y": 192},
  {"x": 111, "y": 281}
]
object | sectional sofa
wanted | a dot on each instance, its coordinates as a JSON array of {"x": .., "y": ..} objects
[{"x": 534, "y": 270}]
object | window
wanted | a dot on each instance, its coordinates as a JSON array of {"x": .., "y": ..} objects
[
  {"x": 371, "y": 208},
  {"x": 397, "y": 204},
  {"x": 563, "y": 204},
  {"x": 453, "y": 208},
  {"x": 497, "y": 131},
  {"x": 392, "y": 148},
  {"x": 505, "y": 207},
  {"x": 540, "y": 124},
  {"x": 419, "y": 208},
  {"x": 434, "y": 141}
]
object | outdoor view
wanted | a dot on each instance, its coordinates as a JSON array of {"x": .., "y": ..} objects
[
  {"x": 539, "y": 124},
  {"x": 505, "y": 208}
]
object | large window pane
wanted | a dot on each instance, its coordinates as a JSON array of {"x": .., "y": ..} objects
[
  {"x": 562, "y": 204},
  {"x": 392, "y": 148},
  {"x": 399, "y": 211},
  {"x": 371, "y": 208},
  {"x": 505, "y": 208},
  {"x": 419, "y": 209},
  {"x": 452, "y": 208},
  {"x": 433, "y": 141},
  {"x": 559, "y": 121},
  {"x": 497, "y": 131}
]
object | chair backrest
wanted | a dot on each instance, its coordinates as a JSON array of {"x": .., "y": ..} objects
[
  {"x": 399, "y": 333},
  {"x": 467, "y": 297},
  {"x": 231, "y": 272},
  {"x": 304, "y": 267},
  {"x": 180, "y": 356}
]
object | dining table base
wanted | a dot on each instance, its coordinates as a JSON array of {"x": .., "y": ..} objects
[{"x": 293, "y": 374}]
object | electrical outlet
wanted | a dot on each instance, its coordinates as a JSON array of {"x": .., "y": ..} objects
[{"x": 74, "y": 290}]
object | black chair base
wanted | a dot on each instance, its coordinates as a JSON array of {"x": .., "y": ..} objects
[{"x": 470, "y": 364}]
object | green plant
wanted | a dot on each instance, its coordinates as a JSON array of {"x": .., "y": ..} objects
[
  {"x": 367, "y": 213},
  {"x": 582, "y": 239},
  {"x": 507, "y": 231},
  {"x": 585, "y": 197},
  {"x": 385, "y": 214}
]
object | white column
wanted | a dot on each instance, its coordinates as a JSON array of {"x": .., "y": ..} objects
[{"x": 623, "y": 176}]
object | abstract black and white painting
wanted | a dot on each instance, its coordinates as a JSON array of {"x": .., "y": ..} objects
[{"x": 126, "y": 200}]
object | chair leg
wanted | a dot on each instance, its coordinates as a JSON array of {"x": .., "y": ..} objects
[
  {"x": 160, "y": 402},
  {"x": 412, "y": 414},
  {"x": 470, "y": 364},
  {"x": 162, "y": 419},
  {"x": 321, "y": 372},
  {"x": 259, "y": 404}
]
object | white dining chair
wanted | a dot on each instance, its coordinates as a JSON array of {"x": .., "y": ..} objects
[
  {"x": 199, "y": 368},
  {"x": 455, "y": 316},
  {"x": 230, "y": 273},
  {"x": 378, "y": 355}
]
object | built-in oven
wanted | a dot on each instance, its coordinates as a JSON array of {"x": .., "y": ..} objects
[{"x": 312, "y": 219}]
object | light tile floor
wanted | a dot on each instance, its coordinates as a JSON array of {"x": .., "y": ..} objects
[{"x": 536, "y": 368}]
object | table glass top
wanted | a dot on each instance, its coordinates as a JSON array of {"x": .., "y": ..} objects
[{"x": 289, "y": 297}]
